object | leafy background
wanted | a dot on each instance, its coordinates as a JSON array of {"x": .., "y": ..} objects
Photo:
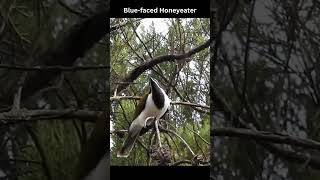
[{"x": 184, "y": 81}]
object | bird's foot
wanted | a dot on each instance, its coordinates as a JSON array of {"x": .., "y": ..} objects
[{"x": 149, "y": 121}]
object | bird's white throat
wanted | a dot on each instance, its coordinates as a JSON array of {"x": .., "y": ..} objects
[{"x": 151, "y": 110}]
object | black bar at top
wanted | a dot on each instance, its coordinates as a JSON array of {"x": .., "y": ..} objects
[{"x": 182, "y": 9}]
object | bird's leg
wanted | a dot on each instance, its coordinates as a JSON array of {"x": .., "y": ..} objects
[{"x": 158, "y": 132}]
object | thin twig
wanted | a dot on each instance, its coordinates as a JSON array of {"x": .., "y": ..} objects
[
  {"x": 113, "y": 28},
  {"x": 184, "y": 142},
  {"x": 35, "y": 115},
  {"x": 277, "y": 138},
  {"x": 190, "y": 104},
  {"x": 246, "y": 56},
  {"x": 51, "y": 68},
  {"x": 170, "y": 124},
  {"x": 63, "y": 4}
]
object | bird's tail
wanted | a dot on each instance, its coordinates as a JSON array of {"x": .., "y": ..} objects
[{"x": 128, "y": 145}]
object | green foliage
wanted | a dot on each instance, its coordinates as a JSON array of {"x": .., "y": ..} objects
[
  {"x": 137, "y": 43},
  {"x": 60, "y": 144}
]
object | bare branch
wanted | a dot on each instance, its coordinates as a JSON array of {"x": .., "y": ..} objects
[
  {"x": 115, "y": 98},
  {"x": 247, "y": 47},
  {"x": 113, "y": 28},
  {"x": 278, "y": 138},
  {"x": 32, "y": 115},
  {"x": 52, "y": 68},
  {"x": 63, "y": 4},
  {"x": 136, "y": 72},
  {"x": 190, "y": 104}
]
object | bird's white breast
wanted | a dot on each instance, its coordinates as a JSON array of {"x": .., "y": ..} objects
[{"x": 151, "y": 110}]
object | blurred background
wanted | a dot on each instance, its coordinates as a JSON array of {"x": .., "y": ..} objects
[
  {"x": 53, "y": 77},
  {"x": 265, "y": 90}
]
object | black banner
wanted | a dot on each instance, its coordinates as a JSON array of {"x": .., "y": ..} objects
[{"x": 157, "y": 8}]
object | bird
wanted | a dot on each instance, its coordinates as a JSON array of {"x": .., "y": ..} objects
[
  {"x": 153, "y": 105},
  {"x": 94, "y": 160}
]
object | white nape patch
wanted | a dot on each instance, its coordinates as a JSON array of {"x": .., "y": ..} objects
[{"x": 101, "y": 171}]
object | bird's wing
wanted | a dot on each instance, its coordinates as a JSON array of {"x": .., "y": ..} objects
[
  {"x": 141, "y": 105},
  {"x": 133, "y": 134}
]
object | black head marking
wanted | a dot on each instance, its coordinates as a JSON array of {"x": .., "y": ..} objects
[{"x": 157, "y": 94}]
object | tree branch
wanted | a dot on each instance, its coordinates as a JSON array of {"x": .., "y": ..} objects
[
  {"x": 176, "y": 134},
  {"x": 136, "y": 72},
  {"x": 75, "y": 43},
  {"x": 73, "y": 11},
  {"x": 115, "y": 98},
  {"x": 261, "y": 136},
  {"x": 190, "y": 104},
  {"x": 52, "y": 68},
  {"x": 23, "y": 115},
  {"x": 266, "y": 136},
  {"x": 246, "y": 55}
]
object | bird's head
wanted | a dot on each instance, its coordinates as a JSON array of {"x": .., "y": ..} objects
[{"x": 154, "y": 86}]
